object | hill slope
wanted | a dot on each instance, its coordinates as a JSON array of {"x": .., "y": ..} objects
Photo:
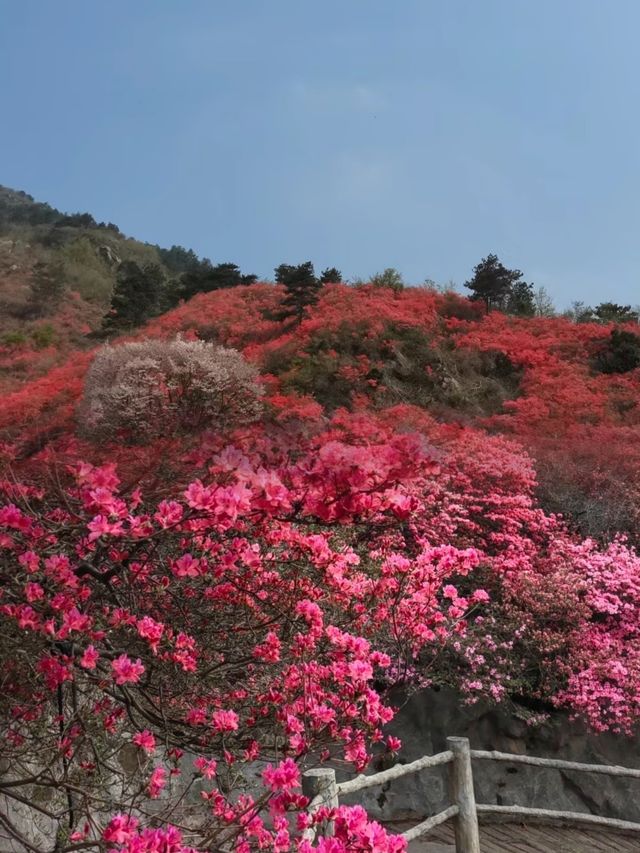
[
  {"x": 567, "y": 392},
  {"x": 259, "y": 542},
  {"x": 57, "y": 275},
  {"x": 539, "y": 381}
]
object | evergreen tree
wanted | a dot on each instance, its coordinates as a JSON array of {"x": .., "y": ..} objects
[
  {"x": 492, "y": 283},
  {"x": 521, "y": 300},
  {"x": 301, "y": 289},
  {"x": 620, "y": 354},
  {"x": 136, "y": 295},
  {"x": 47, "y": 288},
  {"x": 611, "y": 312},
  {"x": 229, "y": 275},
  {"x": 606, "y": 312},
  {"x": 330, "y": 275},
  {"x": 208, "y": 278},
  {"x": 179, "y": 260}
]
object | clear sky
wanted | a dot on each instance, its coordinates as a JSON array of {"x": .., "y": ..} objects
[{"x": 420, "y": 134}]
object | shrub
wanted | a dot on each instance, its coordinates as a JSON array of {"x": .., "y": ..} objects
[
  {"x": 43, "y": 336},
  {"x": 14, "y": 338},
  {"x": 389, "y": 278},
  {"x": 397, "y": 364},
  {"x": 620, "y": 354},
  {"x": 137, "y": 391}
]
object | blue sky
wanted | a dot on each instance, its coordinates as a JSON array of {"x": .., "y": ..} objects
[{"x": 356, "y": 133}]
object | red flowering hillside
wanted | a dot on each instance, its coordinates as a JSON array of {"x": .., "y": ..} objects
[
  {"x": 226, "y": 536},
  {"x": 536, "y": 380}
]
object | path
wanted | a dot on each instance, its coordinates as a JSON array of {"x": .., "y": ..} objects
[{"x": 516, "y": 838}]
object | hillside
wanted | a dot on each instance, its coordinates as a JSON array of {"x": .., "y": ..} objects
[
  {"x": 539, "y": 381},
  {"x": 58, "y": 274},
  {"x": 230, "y": 532},
  {"x": 566, "y": 391}
]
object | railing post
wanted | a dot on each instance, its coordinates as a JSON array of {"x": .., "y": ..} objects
[
  {"x": 461, "y": 792},
  {"x": 321, "y": 781}
]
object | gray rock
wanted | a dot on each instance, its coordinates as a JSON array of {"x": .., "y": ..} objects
[{"x": 427, "y": 718}]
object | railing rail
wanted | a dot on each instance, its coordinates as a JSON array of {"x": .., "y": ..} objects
[
  {"x": 321, "y": 786},
  {"x": 557, "y": 763},
  {"x": 395, "y": 772},
  {"x": 430, "y": 823},
  {"x": 560, "y": 816}
]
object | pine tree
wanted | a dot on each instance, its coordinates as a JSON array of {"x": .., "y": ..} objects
[
  {"x": 208, "y": 278},
  {"x": 492, "y": 283},
  {"x": 620, "y": 353},
  {"x": 136, "y": 295},
  {"x": 301, "y": 289},
  {"x": 330, "y": 275},
  {"x": 611, "y": 312},
  {"x": 521, "y": 300}
]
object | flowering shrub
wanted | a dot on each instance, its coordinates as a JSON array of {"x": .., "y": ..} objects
[
  {"x": 605, "y": 673},
  {"x": 255, "y": 612},
  {"x": 238, "y": 619},
  {"x": 141, "y": 390},
  {"x": 365, "y": 347}
]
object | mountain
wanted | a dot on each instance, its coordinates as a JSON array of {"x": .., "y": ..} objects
[{"x": 58, "y": 272}]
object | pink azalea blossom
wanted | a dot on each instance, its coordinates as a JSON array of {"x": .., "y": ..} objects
[
  {"x": 89, "y": 658},
  {"x": 283, "y": 777},
  {"x": 125, "y": 670},
  {"x": 145, "y": 740},
  {"x": 157, "y": 782},
  {"x": 225, "y": 721}
]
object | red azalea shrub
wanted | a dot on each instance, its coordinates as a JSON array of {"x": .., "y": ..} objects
[
  {"x": 532, "y": 379},
  {"x": 239, "y": 618}
]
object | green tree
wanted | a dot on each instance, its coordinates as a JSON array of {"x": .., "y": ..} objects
[
  {"x": 330, "y": 275},
  {"x": 390, "y": 278},
  {"x": 47, "y": 288},
  {"x": 207, "y": 278},
  {"x": 136, "y": 296},
  {"x": 179, "y": 260},
  {"x": 492, "y": 283},
  {"x": 301, "y": 289},
  {"x": 521, "y": 300},
  {"x": 611, "y": 312},
  {"x": 620, "y": 353}
]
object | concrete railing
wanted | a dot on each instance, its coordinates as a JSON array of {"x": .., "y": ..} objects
[{"x": 321, "y": 787}]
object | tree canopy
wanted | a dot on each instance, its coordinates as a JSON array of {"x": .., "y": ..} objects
[
  {"x": 136, "y": 295},
  {"x": 500, "y": 288},
  {"x": 301, "y": 289}
]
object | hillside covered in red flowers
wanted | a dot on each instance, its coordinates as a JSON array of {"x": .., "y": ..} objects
[
  {"x": 541, "y": 382},
  {"x": 226, "y": 535}
]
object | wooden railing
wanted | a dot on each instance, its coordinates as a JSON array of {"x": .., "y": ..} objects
[{"x": 321, "y": 787}]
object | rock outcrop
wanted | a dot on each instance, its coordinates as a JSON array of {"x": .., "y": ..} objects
[{"x": 428, "y": 717}]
